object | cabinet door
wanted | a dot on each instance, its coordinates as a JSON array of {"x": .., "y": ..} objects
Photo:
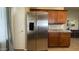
[
  {"x": 57, "y": 17},
  {"x": 52, "y": 16},
  {"x": 62, "y": 16},
  {"x": 64, "y": 39},
  {"x": 53, "y": 38}
]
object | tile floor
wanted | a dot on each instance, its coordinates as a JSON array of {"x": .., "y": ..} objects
[{"x": 74, "y": 46}]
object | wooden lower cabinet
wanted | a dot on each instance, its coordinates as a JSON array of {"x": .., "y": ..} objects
[
  {"x": 59, "y": 39},
  {"x": 53, "y": 39},
  {"x": 64, "y": 39}
]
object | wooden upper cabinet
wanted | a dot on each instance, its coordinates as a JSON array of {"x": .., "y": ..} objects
[
  {"x": 62, "y": 16},
  {"x": 52, "y": 16},
  {"x": 59, "y": 17}
]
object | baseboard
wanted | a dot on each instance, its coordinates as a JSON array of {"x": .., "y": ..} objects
[{"x": 20, "y": 50}]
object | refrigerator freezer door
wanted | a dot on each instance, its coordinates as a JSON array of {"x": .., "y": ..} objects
[{"x": 31, "y": 32}]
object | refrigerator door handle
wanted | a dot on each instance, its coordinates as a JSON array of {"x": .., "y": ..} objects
[{"x": 31, "y": 26}]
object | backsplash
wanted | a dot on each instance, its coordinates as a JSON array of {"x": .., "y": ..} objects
[{"x": 54, "y": 26}]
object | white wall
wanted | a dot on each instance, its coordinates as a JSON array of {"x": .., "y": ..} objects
[{"x": 18, "y": 26}]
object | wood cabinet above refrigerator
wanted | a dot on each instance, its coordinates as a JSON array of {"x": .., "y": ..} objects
[{"x": 57, "y": 16}]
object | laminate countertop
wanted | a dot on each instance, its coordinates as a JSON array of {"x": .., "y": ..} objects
[{"x": 51, "y": 30}]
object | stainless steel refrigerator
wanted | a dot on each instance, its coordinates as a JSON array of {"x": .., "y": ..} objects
[{"x": 37, "y": 31}]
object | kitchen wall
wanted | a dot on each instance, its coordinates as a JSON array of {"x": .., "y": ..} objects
[
  {"x": 73, "y": 17},
  {"x": 18, "y": 27}
]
